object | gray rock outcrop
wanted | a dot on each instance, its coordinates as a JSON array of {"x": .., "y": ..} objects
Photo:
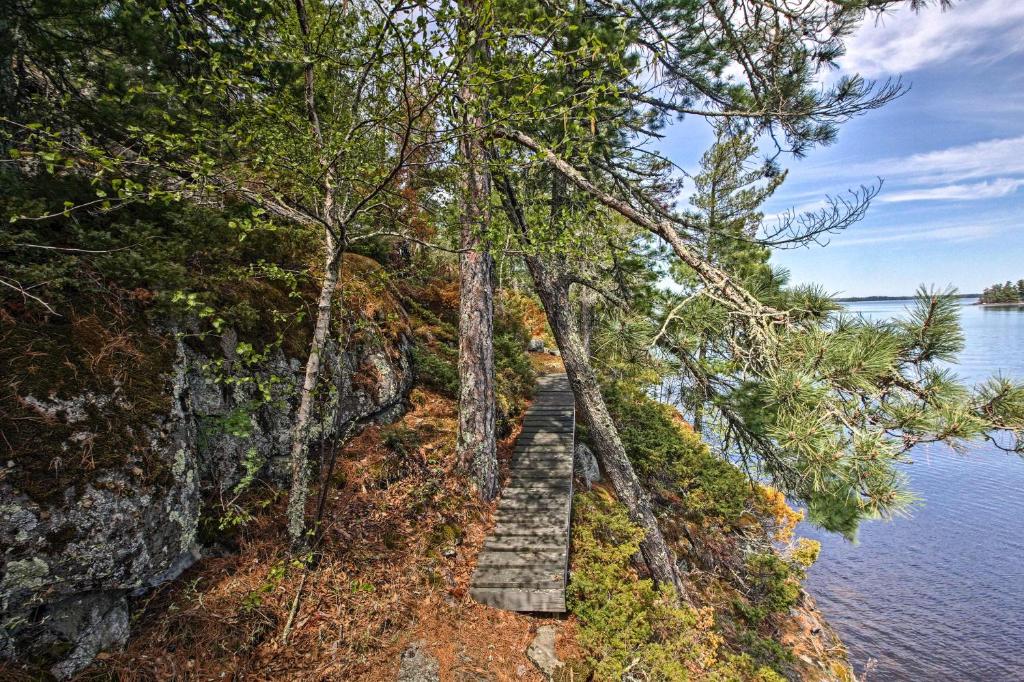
[
  {"x": 72, "y": 558},
  {"x": 417, "y": 665}
]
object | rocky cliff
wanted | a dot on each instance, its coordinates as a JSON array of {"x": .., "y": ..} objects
[{"x": 105, "y": 484}]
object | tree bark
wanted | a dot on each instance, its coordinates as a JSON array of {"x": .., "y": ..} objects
[
  {"x": 553, "y": 290},
  {"x": 301, "y": 470},
  {"x": 586, "y": 302},
  {"x": 476, "y": 443}
]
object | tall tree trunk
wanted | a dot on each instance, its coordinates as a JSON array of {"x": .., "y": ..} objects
[
  {"x": 553, "y": 290},
  {"x": 333, "y": 253},
  {"x": 476, "y": 439}
]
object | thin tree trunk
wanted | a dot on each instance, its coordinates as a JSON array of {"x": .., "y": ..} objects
[
  {"x": 301, "y": 470},
  {"x": 476, "y": 445},
  {"x": 333, "y": 254},
  {"x": 553, "y": 290}
]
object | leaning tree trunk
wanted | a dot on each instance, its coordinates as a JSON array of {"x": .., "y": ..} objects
[
  {"x": 586, "y": 302},
  {"x": 553, "y": 290},
  {"x": 476, "y": 445}
]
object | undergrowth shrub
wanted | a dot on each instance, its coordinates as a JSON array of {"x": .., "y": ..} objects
[
  {"x": 630, "y": 626},
  {"x": 437, "y": 368},
  {"x": 514, "y": 373},
  {"x": 673, "y": 460}
]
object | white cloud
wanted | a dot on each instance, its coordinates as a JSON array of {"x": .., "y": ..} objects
[
  {"x": 1000, "y": 187},
  {"x": 989, "y": 158},
  {"x": 948, "y": 233},
  {"x": 902, "y": 41},
  {"x": 999, "y": 161}
]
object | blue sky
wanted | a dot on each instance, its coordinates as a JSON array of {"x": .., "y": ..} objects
[{"x": 950, "y": 151}]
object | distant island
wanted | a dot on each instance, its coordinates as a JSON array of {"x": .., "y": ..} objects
[
  {"x": 1007, "y": 293},
  {"x": 861, "y": 299}
]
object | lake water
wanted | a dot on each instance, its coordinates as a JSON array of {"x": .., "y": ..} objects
[{"x": 939, "y": 595}]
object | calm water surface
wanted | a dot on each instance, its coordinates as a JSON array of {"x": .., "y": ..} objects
[{"x": 939, "y": 595}]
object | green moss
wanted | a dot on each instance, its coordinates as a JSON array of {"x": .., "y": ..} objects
[{"x": 437, "y": 369}]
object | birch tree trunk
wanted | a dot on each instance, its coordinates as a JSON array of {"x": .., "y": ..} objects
[
  {"x": 299, "y": 456},
  {"x": 553, "y": 290},
  {"x": 476, "y": 446}
]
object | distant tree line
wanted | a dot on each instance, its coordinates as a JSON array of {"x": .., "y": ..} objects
[{"x": 1008, "y": 292}]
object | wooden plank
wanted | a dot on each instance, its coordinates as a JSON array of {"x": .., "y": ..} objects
[
  {"x": 545, "y": 601},
  {"x": 557, "y": 490},
  {"x": 553, "y": 491},
  {"x": 560, "y": 417},
  {"x": 541, "y": 531},
  {"x": 540, "y": 578},
  {"x": 517, "y": 543},
  {"x": 535, "y": 435},
  {"x": 553, "y": 427},
  {"x": 529, "y": 539},
  {"x": 556, "y": 452},
  {"x": 532, "y": 517},
  {"x": 561, "y": 465},
  {"x": 524, "y": 560},
  {"x": 540, "y": 503},
  {"x": 543, "y": 471},
  {"x": 536, "y": 486},
  {"x": 547, "y": 438},
  {"x": 525, "y": 525},
  {"x": 557, "y": 471},
  {"x": 522, "y": 557},
  {"x": 559, "y": 450},
  {"x": 560, "y": 455},
  {"x": 527, "y": 477}
]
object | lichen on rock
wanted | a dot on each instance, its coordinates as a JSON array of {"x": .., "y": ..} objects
[{"x": 104, "y": 497}]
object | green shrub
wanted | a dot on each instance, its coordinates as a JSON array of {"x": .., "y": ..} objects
[
  {"x": 673, "y": 460},
  {"x": 775, "y": 582},
  {"x": 437, "y": 369},
  {"x": 514, "y": 374},
  {"x": 628, "y": 624}
]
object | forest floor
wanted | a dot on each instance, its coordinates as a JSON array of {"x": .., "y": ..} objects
[{"x": 400, "y": 538}]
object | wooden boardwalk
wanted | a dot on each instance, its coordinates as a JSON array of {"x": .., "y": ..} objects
[{"x": 524, "y": 561}]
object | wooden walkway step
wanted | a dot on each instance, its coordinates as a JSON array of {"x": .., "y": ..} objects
[{"x": 525, "y": 560}]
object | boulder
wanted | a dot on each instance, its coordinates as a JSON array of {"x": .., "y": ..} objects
[
  {"x": 535, "y": 345},
  {"x": 585, "y": 467},
  {"x": 417, "y": 665},
  {"x": 541, "y": 651}
]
